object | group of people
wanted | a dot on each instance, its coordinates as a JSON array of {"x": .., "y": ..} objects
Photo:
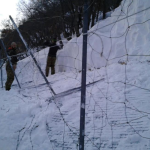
[{"x": 11, "y": 65}]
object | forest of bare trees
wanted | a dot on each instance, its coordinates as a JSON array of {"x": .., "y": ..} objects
[{"x": 47, "y": 19}]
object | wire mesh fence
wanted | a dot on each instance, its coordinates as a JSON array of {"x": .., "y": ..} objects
[{"x": 117, "y": 96}]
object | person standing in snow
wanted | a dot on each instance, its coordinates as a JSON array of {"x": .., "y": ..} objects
[
  {"x": 10, "y": 75},
  {"x": 51, "y": 58}
]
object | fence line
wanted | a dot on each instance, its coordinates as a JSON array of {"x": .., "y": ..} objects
[{"x": 112, "y": 113}]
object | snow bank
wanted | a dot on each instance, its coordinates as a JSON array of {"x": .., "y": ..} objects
[
  {"x": 117, "y": 106},
  {"x": 124, "y": 34}
]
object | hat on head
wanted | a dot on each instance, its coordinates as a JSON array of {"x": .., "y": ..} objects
[{"x": 13, "y": 43}]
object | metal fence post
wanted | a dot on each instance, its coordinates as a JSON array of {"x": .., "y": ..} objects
[
  {"x": 1, "y": 64},
  {"x": 4, "y": 48},
  {"x": 1, "y": 77},
  {"x": 32, "y": 56},
  {"x": 83, "y": 85}
]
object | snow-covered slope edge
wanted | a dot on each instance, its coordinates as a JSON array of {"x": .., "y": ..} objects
[
  {"x": 117, "y": 107},
  {"x": 125, "y": 33}
]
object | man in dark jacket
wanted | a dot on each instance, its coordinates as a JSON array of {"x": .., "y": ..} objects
[
  {"x": 51, "y": 58},
  {"x": 13, "y": 58}
]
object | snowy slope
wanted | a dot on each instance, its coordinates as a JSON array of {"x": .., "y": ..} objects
[
  {"x": 117, "y": 106},
  {"x": 127, "y": 31}
]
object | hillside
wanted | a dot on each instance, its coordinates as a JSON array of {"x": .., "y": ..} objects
[{"x": 118, "y": 90}]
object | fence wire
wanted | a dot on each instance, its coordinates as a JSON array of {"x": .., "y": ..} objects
[{"x": 117, "y": 114}]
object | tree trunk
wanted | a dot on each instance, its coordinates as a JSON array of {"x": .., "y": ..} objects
[
  {"x": 104, "y": 9},
  {"x": 76, "y": 21}
]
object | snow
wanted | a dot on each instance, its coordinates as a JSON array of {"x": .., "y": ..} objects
[{"x": 117, "y": 105}]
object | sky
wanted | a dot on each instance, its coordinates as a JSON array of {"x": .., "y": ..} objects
[{"x": 8, "y": 7}]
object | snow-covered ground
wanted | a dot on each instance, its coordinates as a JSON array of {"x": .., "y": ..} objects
[{"x": 118, "y": 90}]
